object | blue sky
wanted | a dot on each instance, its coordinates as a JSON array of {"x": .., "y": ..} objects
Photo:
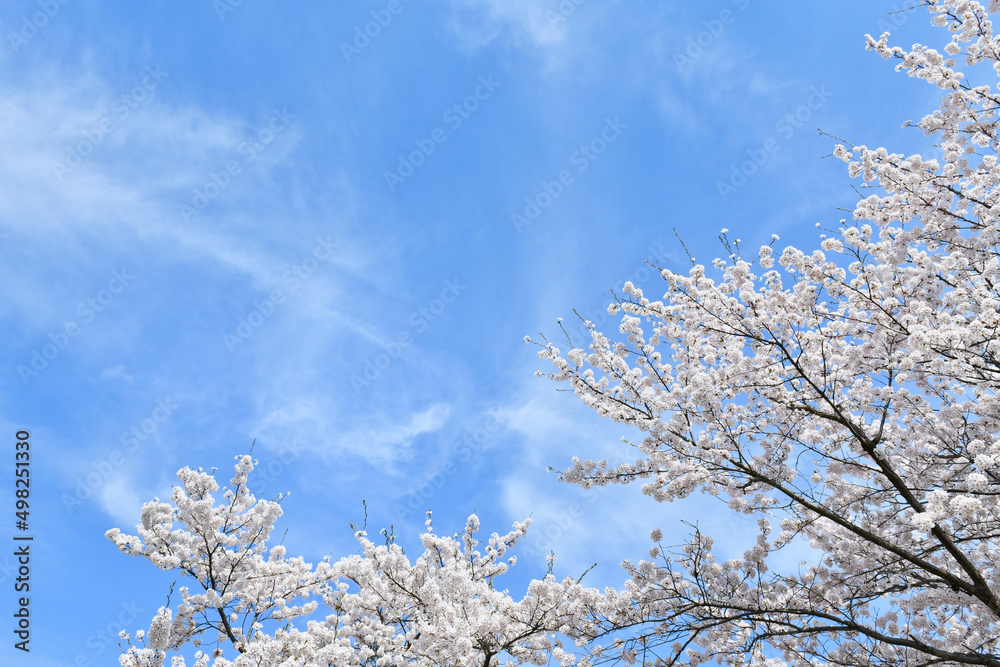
[{"x": 233, "y": 221}]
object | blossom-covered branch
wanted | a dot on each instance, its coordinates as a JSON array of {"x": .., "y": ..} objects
[
  {"x": 378, "y": 608},
  {"x": 849, "y": 393}
]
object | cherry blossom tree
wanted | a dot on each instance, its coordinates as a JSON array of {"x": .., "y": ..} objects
[
  {"x": 848, "y": 395},
  {"x": 259, "y": 607}
]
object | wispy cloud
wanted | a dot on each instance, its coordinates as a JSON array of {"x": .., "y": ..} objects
[
  {"x": 556, "y": 31},
  {"x": 383, "y": 440},
  {"x": 478, "y": 22},
  {"x": 122, "y": 501}
]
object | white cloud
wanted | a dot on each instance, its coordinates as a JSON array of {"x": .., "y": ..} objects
[
  {"x": 557, "y": 31},
  {"x": 315, "y": 423},
  {"x": 94, "y": 210},
  {"x": 71, "y": 227},
  {"x": 121, "y": 501},
  {"x": 479, "y": 22},
  {"x": 117, "y": 373},
  {"x": 81, "y": 162},
  {"x": 388, "y": 444}
]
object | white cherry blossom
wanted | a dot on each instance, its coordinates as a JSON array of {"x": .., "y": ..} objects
[
  {"x": 258, "y": 607},
  {"x": 849, "y": 394}
]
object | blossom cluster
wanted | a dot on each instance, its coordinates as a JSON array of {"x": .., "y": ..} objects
[
  {"x": 848, "y": 397},
  {"x": 256, "y": 606},
  {"x": 848, "y": 394}
]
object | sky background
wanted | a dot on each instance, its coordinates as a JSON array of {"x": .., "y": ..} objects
[{"x": 227, "y": 221}]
